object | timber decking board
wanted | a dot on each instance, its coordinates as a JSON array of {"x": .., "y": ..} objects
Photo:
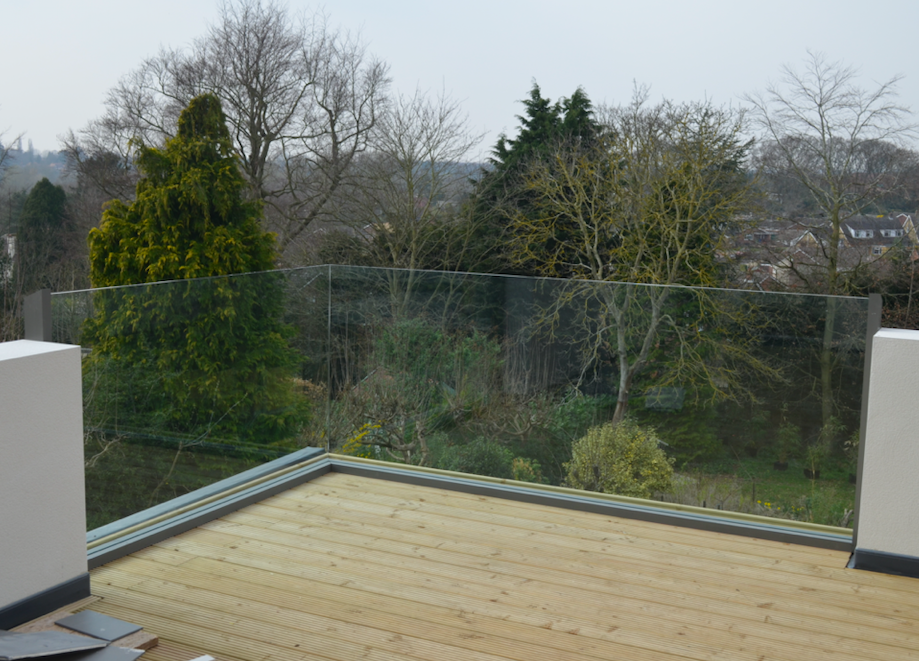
[
  {"x": 799, "y": 576},
  {"x": 346, "y": 567},
  {"x": 354, "y": 485},
  {"x": 476, "y": 585}
]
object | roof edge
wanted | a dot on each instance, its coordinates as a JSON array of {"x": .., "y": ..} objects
[
  {"x": 132, "y": 538},
  {"x": 735, "y": 523},
  {"x": 174, "y": 517},
  {"x": 183, "y": 502}
]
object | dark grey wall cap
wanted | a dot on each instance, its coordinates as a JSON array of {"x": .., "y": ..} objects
[
  {"x": 885, "y": 563},
  {"x": 585, "y": 503},
  {"x": 44, "y": 602},
  {"x": 168, "y": 526},
  {"x": 36, "y": 313},
  {"x": 169, "y": 519},
  {"x": 204, "y": 493}
]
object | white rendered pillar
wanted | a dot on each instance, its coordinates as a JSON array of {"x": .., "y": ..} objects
[
  {"x": 42, "y": 505},
  {"x": 888, "y": 514}
]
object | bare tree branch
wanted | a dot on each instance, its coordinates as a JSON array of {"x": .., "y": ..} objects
[{"x": 301, "y": 100}]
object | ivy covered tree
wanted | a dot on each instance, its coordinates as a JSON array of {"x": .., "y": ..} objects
[
  {"x": 208, "y": 356},
  {"x": 649, "y": 204}
]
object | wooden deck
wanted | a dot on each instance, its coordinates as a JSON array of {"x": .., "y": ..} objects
[{"x": 348, "y": 568}]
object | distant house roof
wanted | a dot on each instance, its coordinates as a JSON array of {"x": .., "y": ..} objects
[
  {"x": 793, "y": 252},
  {"x": 875, "y": 231}
]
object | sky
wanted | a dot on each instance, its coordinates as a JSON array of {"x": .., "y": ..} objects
[{"x": 60, "y": 57}]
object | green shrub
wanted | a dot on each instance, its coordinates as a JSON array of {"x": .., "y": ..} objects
[
  {"x": 623, "y": 459},
  {"x": 527, "y": 470},
  {"x": 690, "y": 434},
  {"x": 788, "y": 441},
  {"x": 480, "y": 457}
]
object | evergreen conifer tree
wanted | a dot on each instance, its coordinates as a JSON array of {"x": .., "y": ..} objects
[
  {"x": 544, "y": 127},
  {"x": 207, "y": 356},
  {"x": 42, "y": 227}
]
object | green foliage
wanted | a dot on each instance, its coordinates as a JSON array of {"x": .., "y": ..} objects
[
  {"x": 788, "y": 441},
  {"x": 623, "y": 459},
  {"x": 481, "y": 457},
  {"x": 543, "y": 126},
  {"x": 831, "y": 430},
  {"x": 189, "y": 218},
  {"x": 575, "y": 413},
  {"x": 198, "y": 357},
  {"x": 554, "y": 424},
  {"x": 820, "y": 449},
  {"x": 43, "y": 210},
  {"x": 815, "y": 455},
  {"x": 690, "y": 434},
  {"x": 452, "y": 370},
  {"x": 423, "y": 380},
  {"x": 501, "y": 191},
  {"x": 527, "y": 470}
]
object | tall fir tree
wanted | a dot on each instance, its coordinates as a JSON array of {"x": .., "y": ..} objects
[
  {"x": 500, "y": 192},
  {"x": 43, "y": 225},
  {"x": 206, "y": 357},
  {"x": 189, "y": 218}
]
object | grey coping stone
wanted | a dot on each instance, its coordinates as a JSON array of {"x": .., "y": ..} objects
[
  {"x": 14, "y": 645},
  {"x": 107, "y": 654},
  {"x": 98, "y": 625}
]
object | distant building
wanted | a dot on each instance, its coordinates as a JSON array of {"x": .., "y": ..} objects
[
  {"x": 791, "y": 254},
  {"x": 878, "y": 234}
]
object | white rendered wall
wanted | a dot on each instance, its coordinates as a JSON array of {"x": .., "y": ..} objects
[
  {"x": 42, "y": 508},
  {"x": 889, "y": 505}
]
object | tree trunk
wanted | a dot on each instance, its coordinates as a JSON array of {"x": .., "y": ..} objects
[
  {"x": 826, "y": 361},
  {"x": 829, "y": 327},
  {"x": 622, "y": 401}
]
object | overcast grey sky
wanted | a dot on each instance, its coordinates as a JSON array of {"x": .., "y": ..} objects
[{"x": 61, "y": 56}]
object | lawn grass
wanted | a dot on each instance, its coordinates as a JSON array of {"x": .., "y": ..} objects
[{"x": 752, "y": 485}]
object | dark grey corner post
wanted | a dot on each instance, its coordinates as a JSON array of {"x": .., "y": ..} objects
[
  {"x": 874, "y": 325},
  {"x": 36, "y": 311}
]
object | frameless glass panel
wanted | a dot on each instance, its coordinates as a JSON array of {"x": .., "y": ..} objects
[
  {"x": 732, "y": 400},
  {"x": 189, "y": 382}
]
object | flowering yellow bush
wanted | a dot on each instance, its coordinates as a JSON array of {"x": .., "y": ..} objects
[
  {"x": 356, "y": 446},
  {"x": 623, "y": 459},
  {"x": 527, "y": 470}
]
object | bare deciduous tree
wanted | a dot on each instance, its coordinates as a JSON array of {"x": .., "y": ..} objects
[
  {"x": 301, "y": 100},
  {"x": 412, "y": 178},
  {"x": 840, "y": 142},
  {"x": 5, "y": 154},
  {"x": 405, "y": 202}
]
